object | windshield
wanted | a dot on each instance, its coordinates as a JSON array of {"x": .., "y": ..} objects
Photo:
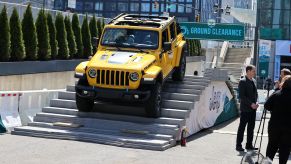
[{"x": 130, "y": 38}]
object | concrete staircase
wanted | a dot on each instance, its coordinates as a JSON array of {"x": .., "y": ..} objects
[
  {"x": 119, "y": 124},
  {"x": 234, "y": 61}
]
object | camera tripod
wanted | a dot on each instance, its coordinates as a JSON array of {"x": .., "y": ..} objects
[{"x": 263, "y": 119}]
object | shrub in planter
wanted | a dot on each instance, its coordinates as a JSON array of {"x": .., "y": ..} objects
[
  {"x": 43, "y": 45},
  {"x": 29, "y": 35},
  {"x": 52, "y": 36},
  {"x": 4, "y": 36},
  {"x": 78, "y": 36},
  {"x": 100, "y": 26},
  {"x": 61, "y": 37},
  {"x": 70, "y": 37},
  {"x": 86, "y": 38}
]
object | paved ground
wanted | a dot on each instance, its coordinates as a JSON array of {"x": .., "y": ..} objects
[{"x": 212, "y": 146}]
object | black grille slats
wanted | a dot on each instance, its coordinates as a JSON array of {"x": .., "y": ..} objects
[{"x": 111, "y": 77}]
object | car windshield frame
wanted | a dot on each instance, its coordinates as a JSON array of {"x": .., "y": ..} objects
[{"x": 131, "y": 40}]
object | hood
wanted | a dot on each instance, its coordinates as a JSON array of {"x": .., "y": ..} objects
[
  {"x": 122, "y": 60},
  {"x": 121, "y": 57}
]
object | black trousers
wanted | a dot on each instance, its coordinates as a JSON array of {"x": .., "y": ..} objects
[
  {"x": 278, "y": 139},
  {"x": 249, "y": 119}
]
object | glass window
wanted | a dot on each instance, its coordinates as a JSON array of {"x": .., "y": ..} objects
[
  {"x": 130, "y": 38},
  {"x": 155, "y": 7},
  {"x": 285, "y": 17},
  {"x": 172, "y": 8},
  {"x": 266, "y": 17},
  {"x": 99, "y": 6},
  {"x": 145, "y": 7},
  {"x": 134, "y": 7},
  {"x": 189, "y": 1},
  {"x": 181, "y": 0},
  {"x": 58, "y": 4},
  {"x": 122, "y": 6},
  {"x": 266, "y": 4},
  {"x": 181, "y": 9},
  {"x": 165, "y": 36},
  {"x": 173, "y": 31},
  {"x": 79, "y": 5},
  {"x": 88, "y": 6},
  {"x": 182, "y": 19},
  {"x": 110, "y": 6},
  {"x": 188, "y": 8},
  {"x": 162, "y": 7}
]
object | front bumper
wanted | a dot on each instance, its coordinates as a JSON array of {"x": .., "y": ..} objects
[{"x": 111, "y": 94}]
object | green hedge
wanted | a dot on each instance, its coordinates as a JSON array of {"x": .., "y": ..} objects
[
  {"x": 86, "y": 38},
  {"x": 194, "y": 47},
  {"x": 44, "y": 48},
  {"x": 52, "y": 34},
  {"x": 29, "y": 35},
  {"x": 78, "y": 36},
  {"x": 4, "y": 36},
  {"x": 61, "y": 37}
]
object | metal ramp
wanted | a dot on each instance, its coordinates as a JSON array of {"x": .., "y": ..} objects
[{"x": 119, "y": 124}]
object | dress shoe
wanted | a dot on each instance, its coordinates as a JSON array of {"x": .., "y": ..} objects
[
  {"x": 239, "y": 148},
  {"x": 251, "y": 148}
]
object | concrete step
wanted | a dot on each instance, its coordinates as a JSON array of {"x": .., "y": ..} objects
[
  {"x": 67, "y": 95},
  {"x": 71, "y": 88},
  {"x": 175, "y": 104},
  {"x": 202, "y": 83},
  {"x": 180, "y": 96},
  {"x": 109, "y": 121},
  {"x": 183, "y": 86},
  {"x": 183, "y": 91},
  {"x": 95, "y": 116},
  {"x": 97, "y": 138},
  {"x": 63, "y": 103},
  {"x": 105, "y": 131},
  {"x": 175, "y": 113}
]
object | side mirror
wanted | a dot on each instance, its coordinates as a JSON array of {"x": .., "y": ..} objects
[
  {"x": 95, "y": 41},
  {"x": 167, "y": 46}
]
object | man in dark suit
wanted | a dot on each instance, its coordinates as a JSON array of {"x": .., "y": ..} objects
[{"x": 248, "y": 104}]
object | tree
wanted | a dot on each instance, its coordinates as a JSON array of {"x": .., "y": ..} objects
[
  {"x": 52, "y": 36},
  {"x": 93, "y": 31},
  {"x": 61, "y": 37},
  {"x": 86, "y": 38},
  {"x": 100, "y": 26},
  {"x": 17, "y": 45},
  {"x": 4, "y": 36},
  {"x": 29, "y": 35},
  {"x": 78, "y": 36},
  {"x": 44, "y": 48},
  {"x": 93, "y": 27},
  {"x": 70, "y": 37}
]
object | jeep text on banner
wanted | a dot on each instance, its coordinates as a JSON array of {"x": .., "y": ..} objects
[{"x": 213, "y": 31}]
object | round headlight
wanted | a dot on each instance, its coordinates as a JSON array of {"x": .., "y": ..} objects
[
  {"x": 92, "y": 73},
  {"x": 133, "y": 76}
]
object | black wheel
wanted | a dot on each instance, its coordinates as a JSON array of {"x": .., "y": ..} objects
[
  {"x": 153, "y": 105},
  {"x": 179, "y": 73},
  {"x": 84, "y": 104}
]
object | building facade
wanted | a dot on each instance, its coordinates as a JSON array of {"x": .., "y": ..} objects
[
  {"x": 274, "y": 18},
  {"x": 184, "y": 10}
]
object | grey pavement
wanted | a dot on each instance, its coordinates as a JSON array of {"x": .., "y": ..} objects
[{"x": 212, "y": 146}]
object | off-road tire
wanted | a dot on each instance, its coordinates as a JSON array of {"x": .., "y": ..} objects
[
  {"x": 179, "y": 72},
  {"x": 153, "y": 105},
  {"x": 84, "y": 104}
]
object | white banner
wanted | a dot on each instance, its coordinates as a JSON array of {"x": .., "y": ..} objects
[
  {"x": 283, "y": 47},
  {"x": 210, "y": 106}
]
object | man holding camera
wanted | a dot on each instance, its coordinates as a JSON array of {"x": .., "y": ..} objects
[{"x": 248, "y": 104}]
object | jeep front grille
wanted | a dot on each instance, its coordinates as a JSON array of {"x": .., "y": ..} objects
[{"x": 115, "y": 78}]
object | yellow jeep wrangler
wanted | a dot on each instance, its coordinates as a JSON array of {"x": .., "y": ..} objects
[{"x": 136, "y": 55}]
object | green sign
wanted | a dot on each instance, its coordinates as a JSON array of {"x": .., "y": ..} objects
[
  {"x": 213, "y": 31},
  {"x": 263, "y": 69},
  {"x": 271, "y": 33}
]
